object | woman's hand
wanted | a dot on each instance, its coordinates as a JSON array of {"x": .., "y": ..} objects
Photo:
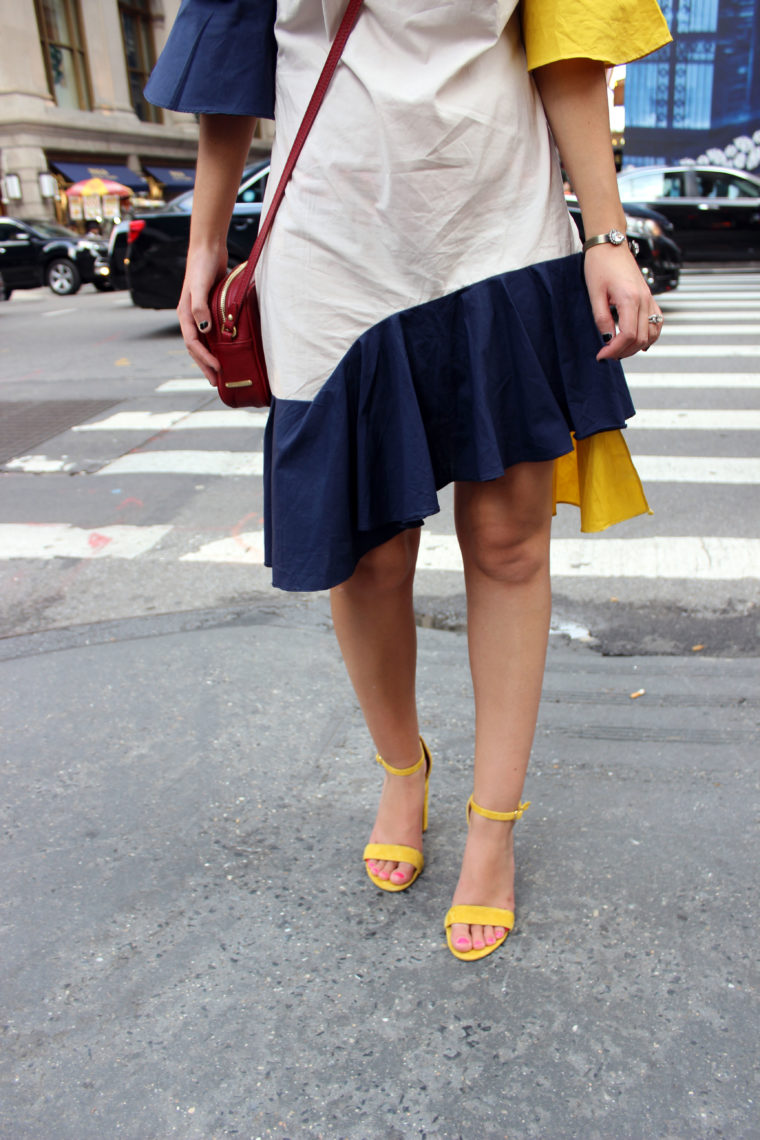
[
  {"x": 205, "y": 266},
  {"x": 614, "y": 279}
]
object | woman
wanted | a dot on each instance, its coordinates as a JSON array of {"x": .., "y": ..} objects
[{"x": 426, "y": 321}]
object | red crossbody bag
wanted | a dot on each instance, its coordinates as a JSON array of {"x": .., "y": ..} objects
[{"x": 235, "y": 334}]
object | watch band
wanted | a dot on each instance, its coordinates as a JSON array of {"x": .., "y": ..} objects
[{"x": 614, "y": 237}]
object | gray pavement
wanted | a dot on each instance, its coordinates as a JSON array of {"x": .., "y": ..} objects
[{"x": 192, "y": 948}]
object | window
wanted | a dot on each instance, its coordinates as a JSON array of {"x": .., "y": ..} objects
[
  {"x": 717, "y": 184},
  {"x": 64, "y": 52},
  {"x": 137, "y": 32}
]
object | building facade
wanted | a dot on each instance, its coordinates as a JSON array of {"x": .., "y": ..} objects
[
  {"x": 701, "y": 93},
  {"x": 71, "y": 104}
]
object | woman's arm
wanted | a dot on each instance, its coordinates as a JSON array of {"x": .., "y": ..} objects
[
  {"x": 222, "y": 150},
  {"x": 574, "y": 94}
]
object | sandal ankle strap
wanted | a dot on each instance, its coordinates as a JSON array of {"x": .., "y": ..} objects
[
  {"x": 498, "y": 815},
  {"x": 406, "y": 771}
]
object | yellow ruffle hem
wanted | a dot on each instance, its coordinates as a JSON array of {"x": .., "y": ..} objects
[
  {"x": 614, "y": 33},
  {"x": 599, "y": 477}
]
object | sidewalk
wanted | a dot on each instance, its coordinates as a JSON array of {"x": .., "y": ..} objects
[{"x": 192, "y": 948}]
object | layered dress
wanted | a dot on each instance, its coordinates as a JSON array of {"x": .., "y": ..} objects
[{"x": 424, "y": 312}]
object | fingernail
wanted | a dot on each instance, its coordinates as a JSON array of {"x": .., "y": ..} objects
[
  {"x": 606, "y": 337},
  {"x": 203, "y": 326}
]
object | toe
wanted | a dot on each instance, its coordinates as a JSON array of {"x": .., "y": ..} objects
[
  {"x": 460, "y": 937},
  {"x": 477, "y": 936},
  {"x": 402, "y": 873}
]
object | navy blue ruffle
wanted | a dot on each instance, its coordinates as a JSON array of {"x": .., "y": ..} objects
[
  {"x": 220, "y": 58},
  {"x": 459, "y": 388}
]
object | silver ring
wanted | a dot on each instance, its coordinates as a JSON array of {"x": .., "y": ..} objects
[{"x": 655, "y": 319}]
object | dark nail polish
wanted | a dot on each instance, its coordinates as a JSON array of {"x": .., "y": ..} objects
[
  {"x": 203, "y": 326},
  {"x": 606, "y": 337}
]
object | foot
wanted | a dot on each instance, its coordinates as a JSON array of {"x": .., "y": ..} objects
[
  {"x": 399, "y": 820},
  {"x": 487, "y": 879}
]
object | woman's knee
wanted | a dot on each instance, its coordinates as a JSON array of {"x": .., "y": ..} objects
[
  {"x": 506, "y": 556},
  {"x": 387, "y": 567}
]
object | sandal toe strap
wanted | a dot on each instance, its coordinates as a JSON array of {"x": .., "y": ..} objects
[
  {"x": 396, "y": 853},
  {"x": 480, "y": 916}
]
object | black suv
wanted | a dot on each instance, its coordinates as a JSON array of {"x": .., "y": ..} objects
[{"x": 44, "y": 253}]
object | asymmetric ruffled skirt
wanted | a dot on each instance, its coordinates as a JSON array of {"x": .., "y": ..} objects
[{"x": 459, "y": 388}]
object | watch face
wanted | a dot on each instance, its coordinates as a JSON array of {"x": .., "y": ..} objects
[{"x": 616, "y": 237}]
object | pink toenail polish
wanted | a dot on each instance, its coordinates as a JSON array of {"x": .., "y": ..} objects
[
  {"x": 462, "y": 942},
  {"x": 490, "y": 941}
]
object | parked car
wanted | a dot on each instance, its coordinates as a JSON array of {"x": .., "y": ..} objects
[
  {"x": 715, "y": 210},
  {"x": 657, "y": 255},
  {"x": 157, "y": 242},
  {"x": 3, "y": 291},
  {"x": 34, "y": 253},
  {"x": 116, "y": 257}
]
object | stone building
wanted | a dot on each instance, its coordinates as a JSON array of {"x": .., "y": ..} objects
[{"x": 71, "y": 104}]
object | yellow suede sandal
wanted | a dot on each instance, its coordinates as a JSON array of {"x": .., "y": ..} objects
[
  {"x": 482, "y": 915},
  {"x": 396, "y": 851}
]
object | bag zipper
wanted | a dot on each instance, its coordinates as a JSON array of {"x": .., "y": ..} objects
[{"x": 225, "y": 290}]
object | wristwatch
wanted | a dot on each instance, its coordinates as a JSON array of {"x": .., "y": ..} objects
[{"x": 614, "y": 237}]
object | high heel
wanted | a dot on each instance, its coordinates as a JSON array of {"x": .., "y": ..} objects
[
  {"x": 482, "y": 915},
  {"x": 396, "y": 851}
]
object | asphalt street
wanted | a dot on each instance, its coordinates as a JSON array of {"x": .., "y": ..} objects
[{"x": 191, "y": 947}]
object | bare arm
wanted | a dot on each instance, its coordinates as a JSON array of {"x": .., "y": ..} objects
[
  {"x": 222, "y": 150},
  {"x": 574, "y": 95}
]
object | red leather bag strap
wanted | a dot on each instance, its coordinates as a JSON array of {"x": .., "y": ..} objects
[{"x": 336, "y": 50}]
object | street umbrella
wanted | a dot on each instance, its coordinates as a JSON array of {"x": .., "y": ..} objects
[{"x": 97, "y": 188}]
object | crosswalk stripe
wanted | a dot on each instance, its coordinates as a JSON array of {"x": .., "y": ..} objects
[
  {"x": 186, "y": 463},
  {"x": 702, "y": 295},
  {"x": 178, "y": 421},
  {"x": 721, "y": 350},
  {"x": 671, "y": 300},
  {"x": 714, "y": 470},
  {"x": 706, "y": 558},
  {"x": 739, "y": 419},
  {"x": 715, "y": 380},
  {"x": 697, "y": 419},
  {"x": 708, "y": 469},
  {"x": 60, "y": 540},
  {"x": 748, "y": 319},
  {"x": 688, "y": 557},
  {"x": 186, "y": 384},
  {"x": 675, "y": 328}
]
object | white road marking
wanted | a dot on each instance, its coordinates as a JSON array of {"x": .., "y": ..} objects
[
  {"x": 697, "y": 419},
  {"x": 751, "y": 319},
  {"x": 675, "y": 328},
  {"x": 654, "y": 468},
  {"x": 706, "y": 558},
  {"x": 186, "y": 463},
  {"x": 722, "y": 350},
  {"x": 693, "y": 379},
  {"x": 178, "y": 421},
  {"x": 697, "y": 469},
  {"x": 58, "y": 312},
  {"x": 673, "y": 301},
  {"x": 189, "y": 384},
  {"x": 60, "y": 540},
  {"x": 247, "y": 547},
  {"x": 657, "y": 557},
  {"x": 38, "y": 464}
]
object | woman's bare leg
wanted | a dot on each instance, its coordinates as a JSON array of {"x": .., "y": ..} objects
[
  {"x": 373, "y": 614},
  {"x": 503, "y": 528}
]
